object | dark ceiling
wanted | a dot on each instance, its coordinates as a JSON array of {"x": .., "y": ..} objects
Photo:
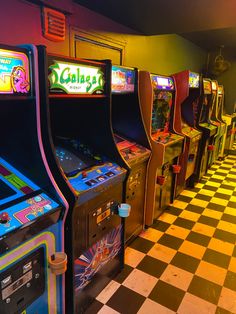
[{"x": 207, "y": 23}]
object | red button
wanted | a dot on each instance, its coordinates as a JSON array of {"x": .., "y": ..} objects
[
  {"x": 84, "y": 174},
  {"x": 4, "y": 217}
]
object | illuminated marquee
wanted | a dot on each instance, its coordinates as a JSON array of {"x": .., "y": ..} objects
[
  {"x": 207, "y": 86},
  {"x": 194, "y": 80},
  {"x": 74, "y": 78},
  {"x": 14, "y": 72}
]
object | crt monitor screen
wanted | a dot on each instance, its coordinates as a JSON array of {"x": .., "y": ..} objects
[
  {"x": 162, "y": 102},
  {"x": 72, "y": 162},
  {"x": 123, "y": 80},
  {"x": 5, "y": 190}
]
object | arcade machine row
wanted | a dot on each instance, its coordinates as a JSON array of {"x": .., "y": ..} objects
[
  {"x": 221, "y": 153},
  {"x": 214, "y": 120},
  {"x": 32, "y": 208},
  {"x": 132, "y": 142},
  {"x": 229, "y": 119},
  {"x": 79, "y": 104},
  {"x": 188, "y": 95},
  {"x": 208, "y": 130},
  {"x": 157, "y": 99}
]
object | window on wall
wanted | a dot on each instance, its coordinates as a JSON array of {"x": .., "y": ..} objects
[{"x": 96, "y": 47}]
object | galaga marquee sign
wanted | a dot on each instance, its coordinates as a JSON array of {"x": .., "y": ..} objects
[{"x": 74, "y": 78}]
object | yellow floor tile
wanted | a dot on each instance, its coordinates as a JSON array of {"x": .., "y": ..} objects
[
  {"x": 194, "y": 305},
  {"x": 225, "y": 191},
  {"x": 221, "y": 246},
  {"x": 227, "y": 300},
  {"x": 140, "y": 282},
  {"x": 162, "y": 253},
  {"x": 199, "y": 185},
  {"x": 233, "y": 199},
  {"x": 178, "y": 232},
  {"x": 189, "y": 215},
  {"x": 167, "y": 218},
  {"x": 219, "y": 201},
  {"x": 177, "y": 277},
  {"x": 230, "y": 211},
  {"x": 192, "y": 249},
  {"x": 227, "y": 226},
  {"x": 232, "y": 264},
  {"x": 107, "y": 310},
  {"x": 215, "y": 184},
  {"x": 206, "y": 192},
  {"x": 216, "y": 176},
  {"x": 212, "y": 213},
  {"x": 211, "y": 272},
  {"x": 198, "y": 202},
  {"x": 151, "y": 234},
  {"x": 179, "y": 204},
  {"x": 188, "y": 193},
  {"x": 203, "y": 229},
  {"x": 231, "y": 176},
  {"x": 133, "y": 257},
  {"x": 108, "y": 291},
  {"x": 151, "y": 307}
]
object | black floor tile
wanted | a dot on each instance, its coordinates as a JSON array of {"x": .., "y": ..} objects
[
  {"x": 185, "y": 262},
  {"x": 196, "y": 190},
  {"x": 195, "y": 209},
  {"x": 219, "y": 173},
  {"x": 203, "y": 197},
  {"x": 234, "y": 252},
  {"x": 124, "y": 273},
  {"x": 216, "y": 258},
  {"x": 94, "y": 307},
  {"x": 161, "y": 225},
  {"x": 229, "y": 218},
  {"x": 141, "y": 245},
  {"x": 227, "y": 187},
  {"x": 205, "y": 289},
  {"x": 231, "y": 204},
  {"x": 208, "y": 221},
  {"x": 214, "y": 206},
  {"x": 222, "y": 196},
  {"x": 184, "y": 198},
  {"x": 167, "y": 295},
  {"x": 225, "y": 236},
  {"x": 126, "y": 301},
  {"x": 198, "y": 238},
  {"x": 219, "y": 310},
  {"x": 152, "y": 266},
  {"x": 185, "y": 223},
  {"x": 170, "y": 241},
  {"x": 174, "y": 210},
  {"x": 210, "y": 188},
  {"x": 216, "y": 180},
  {"x": 230, "y": 280}
]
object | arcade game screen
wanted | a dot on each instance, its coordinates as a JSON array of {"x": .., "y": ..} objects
[
  {"x": 161, "y": 111},
  {"x": 122, "y": 80},
  {"x": 5, "y": 190},
  {"x": 72, "y": 161},
  {"x": 194, "y": 80}
]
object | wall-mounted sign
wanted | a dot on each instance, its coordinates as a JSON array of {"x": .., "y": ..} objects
[
  {"x": 74, "y": 78},
  {"x": 162, "y": 82},
  {"x": 122, "y": 80},
  {"x": 194, "y": 80},
  {"x": 207, "y": 86},
  {"x": 14, "y": 72}
]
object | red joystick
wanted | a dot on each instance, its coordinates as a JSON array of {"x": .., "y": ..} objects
[
  {"x": 84, "y": 174},
  {"x": 4, "y": 218}
]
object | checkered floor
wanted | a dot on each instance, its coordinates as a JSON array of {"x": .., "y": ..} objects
[{"x": 186, "y": 262}]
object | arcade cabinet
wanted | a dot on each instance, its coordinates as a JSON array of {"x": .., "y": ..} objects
[
  {"x": 208, "y": 130},
  {"x": 79, "y": 104},
  {"x": 221, "y": 153},
  {"x": 229, "y": 119},
  {"x": 132, "y": 142},
  {"x": 32, "y": 208},
  {"x": 157, "y": 99},
  {"x": 185, "y": 114}
]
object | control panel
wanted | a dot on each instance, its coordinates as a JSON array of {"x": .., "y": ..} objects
[
  {"x": 191, "y": 132},
  {"x": 22, "y": 283},
  {"x": 17, "y": 215},
  {"x": 166, "y": 138},
  {"x": 131, "y": 150}
]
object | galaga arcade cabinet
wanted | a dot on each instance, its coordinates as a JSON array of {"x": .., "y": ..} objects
[
  {"x": 208, "y": 130},
  {"x": 31, "y": 206},
  {"x": 132, "y": 142},
  {"x": 188, "y": 94},
  {"x": 157, "y": 99},
  {"x": 221, "y": 153},
  {"x": 79, "y": 101}
]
